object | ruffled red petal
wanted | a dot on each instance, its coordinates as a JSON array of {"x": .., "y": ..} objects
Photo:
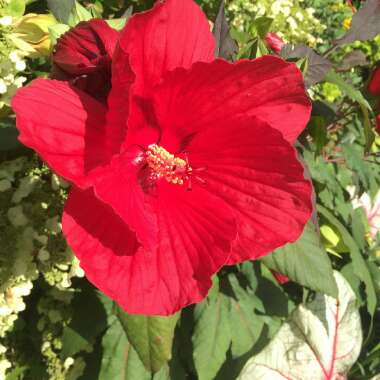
[
  {"x": 175, "y": 33},
  {"x": 256, "y": 172},
  {"x": 374, "y": 83},
  {"x": 65, "y": 126},
  {"x": 194, "y": 243},
  {"x": 209, "y": 93}
]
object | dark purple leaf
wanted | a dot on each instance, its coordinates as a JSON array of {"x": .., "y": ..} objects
[
  {"x": 226, "y": 47},
  {"x": 317, "y": 66},
  {"x": 365, "y": 24}
]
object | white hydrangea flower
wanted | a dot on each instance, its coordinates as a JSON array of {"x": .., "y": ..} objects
[
  {"x": 6, "y": 20},
  {"x": 14, "y": 56},
  {"x": 3, "y": 86},
  {"x": 20, "y": 65}
]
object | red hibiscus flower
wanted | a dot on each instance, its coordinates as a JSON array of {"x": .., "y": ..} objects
[
  {"x": 274, "y": 42},
  {"x": 83, "y": 56},
  {"x": 190, "y": 168},
  {"x": 374, "y": 83}
]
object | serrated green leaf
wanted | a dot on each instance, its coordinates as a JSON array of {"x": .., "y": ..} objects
[
  {"x": 347, "y": 88},
  {"x": 61, "y": 9},
  {"x": 212, "y": 336},
  {"x": 150, "y": 336},
  {"x": 305, "y": 262},
  {"x": 360, "y": 267},
  {"x": 321, "y": 339}
]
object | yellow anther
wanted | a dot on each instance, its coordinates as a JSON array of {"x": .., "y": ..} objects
[{"x": 165, "y": 165}]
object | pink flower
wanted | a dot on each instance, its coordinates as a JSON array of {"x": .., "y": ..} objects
[{"x": 274, "y": 42}]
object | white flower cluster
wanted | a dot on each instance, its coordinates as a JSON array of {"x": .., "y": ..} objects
[
  {"x": 12, "y": 64},
  {"x": 292, "y": 21},
  {"x": 32, "y": 246}
]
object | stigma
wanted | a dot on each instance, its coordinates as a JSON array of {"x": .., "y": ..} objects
[{"x": 164, "y": 165}]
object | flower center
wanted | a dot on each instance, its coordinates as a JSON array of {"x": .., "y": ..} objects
[{"x": 165, "y": 165}]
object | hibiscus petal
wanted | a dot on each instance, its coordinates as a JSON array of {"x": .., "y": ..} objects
[
  {"x": 175, "y": 33},
  {"x": 195, "y": 240},
  {"x": 254, "y": 170},
  {"x": 64, "y": 126},
  {"x": 209, "y": 93},
  {"x": 119, "y": 187}
]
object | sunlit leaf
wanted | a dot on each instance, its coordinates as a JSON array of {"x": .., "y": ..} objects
[{"x": 320, "y": 340}]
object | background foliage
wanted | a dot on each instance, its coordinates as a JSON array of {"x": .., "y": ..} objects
[{"x": 55, "y": 325}]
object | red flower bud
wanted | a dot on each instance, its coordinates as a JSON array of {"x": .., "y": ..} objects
[
  {"x": 83, "y": 56},
  {"x": 281, "y": 278},
  {"x": 374, "y": 83},
  {"x": 274, "y": 42}
]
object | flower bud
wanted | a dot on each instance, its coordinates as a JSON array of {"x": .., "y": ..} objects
[
  {"x": 374, "y": 83},
  {"x": 274, "y": 42},
  {"x": 83, "y": 56},
  {"x": 33, "y": 30}
]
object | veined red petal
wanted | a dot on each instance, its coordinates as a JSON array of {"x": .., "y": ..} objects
[
  {"x": 210, "y": 93},
  {"x": 120, "y": 188},
  {"x": 256, "y": 172},
  {"x": 194, "y": 244},
  {"x": 119, "y": 99},
  {"x": 65, "y": 126},
  {"x": 175, "y": 33}
]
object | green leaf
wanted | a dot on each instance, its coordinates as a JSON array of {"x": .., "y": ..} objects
[
  {"x": 242, "y": 314},
  {"x": 226, "y": 47},
  {"x": 78, "y": 13},
  {"x": 347, "y": 89},
  {"x": 79, "y": 335},
  {"x": 212, "y": 335},
  {"x": 8, "y": 139},
  {"x": 117, "y": 23},
  {"x": 61, "y": 9},
  {"x": 365, "y": 24},
  {"x": 369, "y": 134},
  {"x": 360, "y": 267},
  {"x": 56, "y": 31},
  {"x": 305, "y": 262},
  {"x": 321, "y": 339},
  {"x": 150, "y": 336},
  {"x": 262, "y": 25},
  {"x": 15, "y": 8},
  {"x": 119, "y": 360}
]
